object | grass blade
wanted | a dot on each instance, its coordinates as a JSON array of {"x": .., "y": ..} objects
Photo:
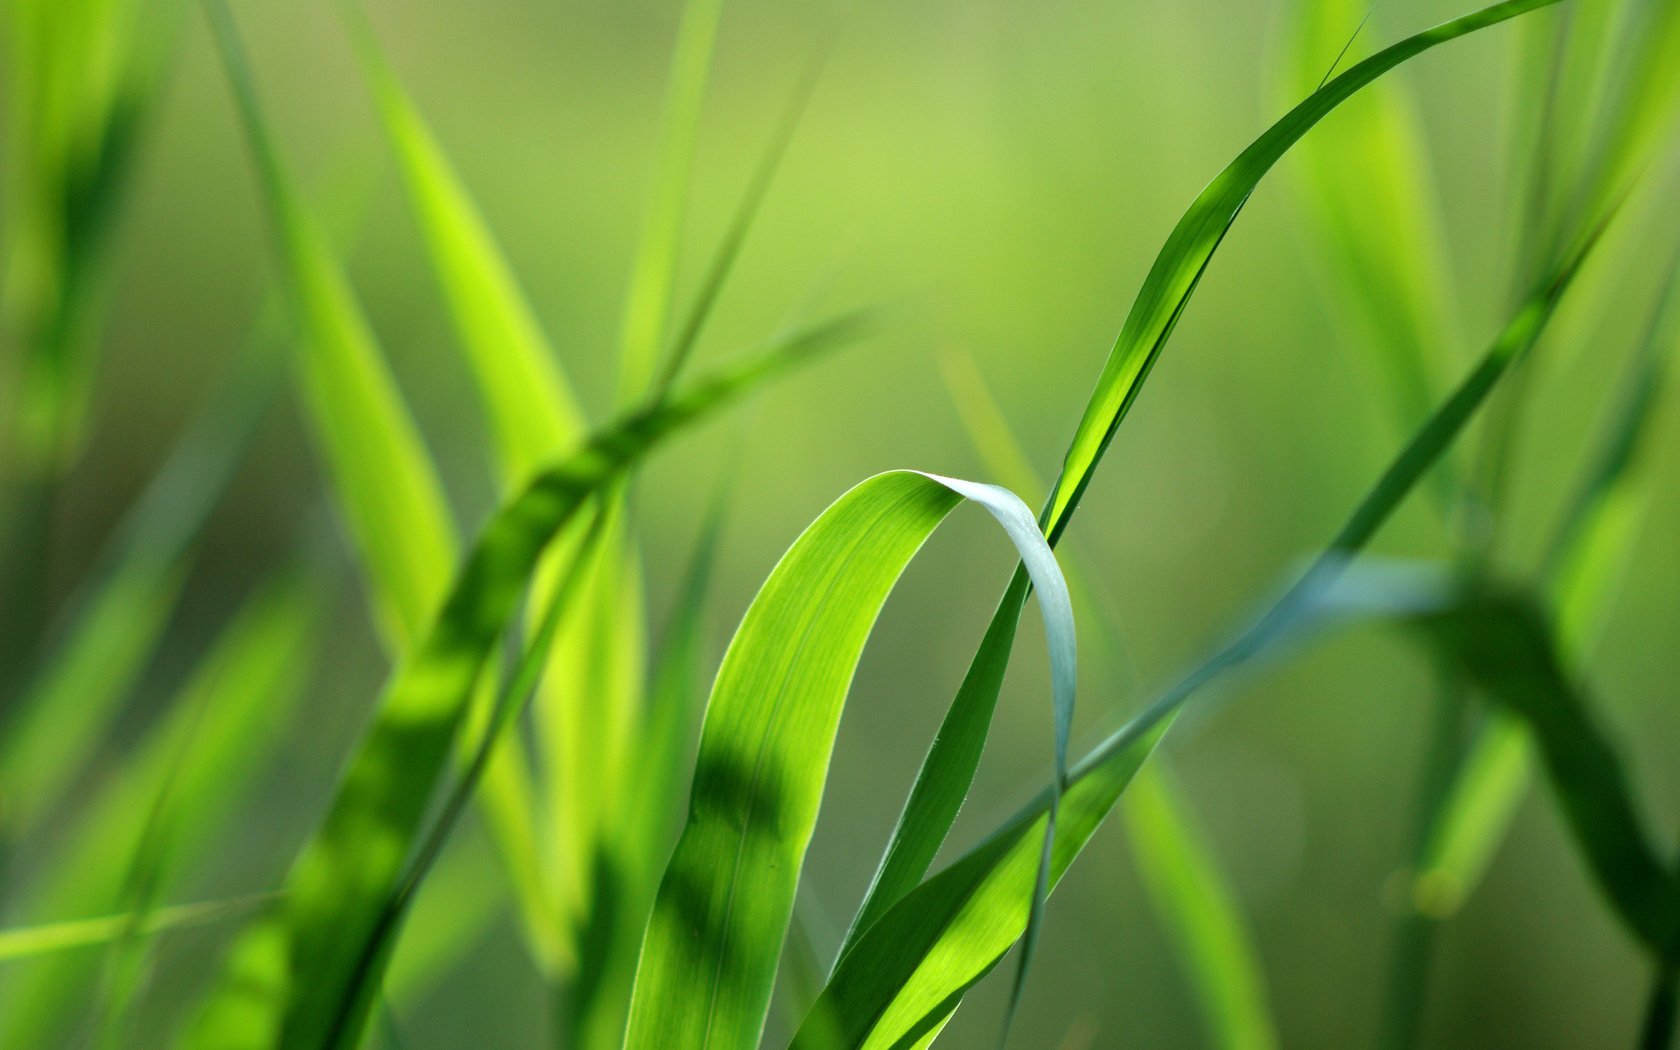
[
  {"x": 712, "y": 946},
  {"x": 29, "y": 942},
  {"x": 361, "y": 850}
]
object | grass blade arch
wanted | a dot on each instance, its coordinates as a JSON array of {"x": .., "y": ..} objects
[{"x": 709, "y": 957}]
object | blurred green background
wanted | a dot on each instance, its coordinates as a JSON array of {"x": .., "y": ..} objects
[{"x": 1006, "y": 172}]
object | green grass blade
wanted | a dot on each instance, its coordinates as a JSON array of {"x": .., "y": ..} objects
[
  {"x": 359, "y": 854},
  {"x": 1190, "y": 895},
  {"x": 532, "y": 408},
  {"x": 949, "y": 767},
  {"x": 1199, "y": 912},
  {"x": 388, "y": 491},
  {"x": 653, "y": 274},
  {"x": 1584, "y": 568},
  {"x": 29, "y": 942},
  {"x": 1505, "y": 645},
  {"x": 236, "y": 701},
  {"x": 710, "y": 954}
]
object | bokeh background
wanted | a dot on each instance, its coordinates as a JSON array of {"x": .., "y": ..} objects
[{"x": 1005, "y": 173}]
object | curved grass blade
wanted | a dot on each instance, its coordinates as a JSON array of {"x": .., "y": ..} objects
[
  {"x": 709, "y": 957},
  {"x": 1584, "y": 568},
  {"x": 204, "y": 747},
  {"x": 361, "y": 850},
  {"x": 949, "y": 767},
  {"x": 903, "y": 976},
  {"x": 1191, "y": 897}
]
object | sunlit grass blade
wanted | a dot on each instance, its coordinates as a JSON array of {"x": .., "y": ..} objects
[
  {"x": 532, "y": 408},
  {"x": 904, "y": 975},
  {"x": 709, "y": 958},
  {"x": 949, "y": 767},
  {"x": 360, "y": 852},
  {"x": 112, "y": 627},
  {"x": 28, "y": 942},
  {"x": 1505, "y": 644},
  {"x": 1585, "y": 564},
  {"x": 1192, "y": 900},
  {"x": 205, "y": 747}
]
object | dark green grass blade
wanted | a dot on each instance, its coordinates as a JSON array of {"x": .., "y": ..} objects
[
  {"x": 206, "y": 744},
  {"x": 1584, "y": 566},
  {"x": 949, "y": 768},
  {"x": 906, "y": 973},
  {"x": 1505, "y": 645},
  {"x": 362, "y": 848},
  {"x": 710, "y": 955}
]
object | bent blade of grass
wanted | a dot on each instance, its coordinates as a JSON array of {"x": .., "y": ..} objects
[
  {"x": 1504, "y": 643},
  {"x": 903, "y": 975},
  {"x": 235, "y": 702},
  {"x": 1584, "y": 568},
  {"x": 949, "y": 767},
  {"x": 710, "y": 954},
  {"x": 361, "y": 849},
  {"x": 1191, "y": 896}
]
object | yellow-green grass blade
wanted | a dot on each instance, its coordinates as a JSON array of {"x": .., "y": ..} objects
[
  {"x": 236, "y": 701},
  {"x": 1505, "y": 645},
  {"x": 1366, "y": 187},
  {"x": 1584, "y": 570},
  {"x": 709, "y": 958},
  {"x": 1199, "y": 913},
  {"x": 114, "y": 623},
  {"x": 390, "y": 498},
  {"x": 532, "y": 408},
  {"x": 905, "y": 973},
  {"x": 653, "y": 273},
  {"x": 1190, "y": 895},
  {"x": 948, "y": 769},
  {"x": 29, "y": 942},
  {"x": 351, "y": 865}
]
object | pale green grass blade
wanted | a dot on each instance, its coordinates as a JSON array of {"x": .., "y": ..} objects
[
  {"x": 532, "y": 408},
  {"x": 1505, "y": 645},
  {"x": 28, "y": 942},
  {"x": 113, "y": 625},
  {"x": 904, "y": 975},
  {"x": 1199, "y": 912},
  {"x": 1587, "y": 561},
  {"x": 949, "y": 767},
  {"x": 1366, "y": 186},
  {"x": 709, "y": 958},
  {"x": 361, "y": 850},
  {"x": 1191, "y": 897},
  {"x": 387, "y": 488},
  {"x": 236, "y": 702},
  {"x": 653, "y": 274}
]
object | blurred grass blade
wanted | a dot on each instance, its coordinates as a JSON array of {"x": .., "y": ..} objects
[
  {"x": 456, "y": 910},
  {"x": 948, "y": 770},
  {"x": 709, "y": 958},
  {"x": 1199, "y": 912},
  {"x": 904, "y": 974},
  {"x": 388, "y": 491},
  {"x": 113, "y": 625},
  {"x": 29, "y": 942},
  {"x": 532, "y": 408},
  {"x": 648, "y": 302},
  {"x": 212, "y": 735},
  {"x": 1584, "y": 568},
  {"x": 358, "y": 855},
  {"x": 1366, "y": 185},
  {"x": 1504, "y": 644},
  {"x": 1192, "y": 901}
]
